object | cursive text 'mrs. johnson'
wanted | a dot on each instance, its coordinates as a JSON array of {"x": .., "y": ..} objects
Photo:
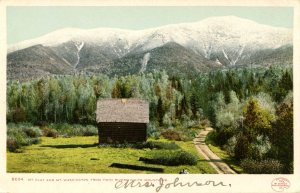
[{"x": 163, "y": 185}]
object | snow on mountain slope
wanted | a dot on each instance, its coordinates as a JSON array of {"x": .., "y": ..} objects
[
  {"x": 144, "y": 62},
  {"x": 79, "y": 46},
  {"x": 203, "y": 36},
  {"x": 189, "y": 48},
  {"x": 227, "y": 41}
]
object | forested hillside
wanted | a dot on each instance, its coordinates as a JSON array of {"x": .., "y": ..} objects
[
  {"x": 250, "y": 109},
  {"x": 73, "y": 98}
]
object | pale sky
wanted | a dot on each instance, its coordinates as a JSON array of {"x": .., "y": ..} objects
[{"x": 26, "y": 22}]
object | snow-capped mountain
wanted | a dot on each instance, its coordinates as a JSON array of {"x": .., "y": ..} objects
[{"x": 212, "y": 42}]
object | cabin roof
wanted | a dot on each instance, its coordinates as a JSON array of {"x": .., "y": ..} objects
[{"x": 122, "y": 110}]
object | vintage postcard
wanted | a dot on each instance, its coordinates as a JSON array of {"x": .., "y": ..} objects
[{"x": 146, "y": 96}]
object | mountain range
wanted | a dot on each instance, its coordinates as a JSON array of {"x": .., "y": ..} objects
[{"x": 186, "y": 48}]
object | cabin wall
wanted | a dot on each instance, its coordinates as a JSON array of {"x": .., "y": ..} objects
[{"x": 122, "y": 132}]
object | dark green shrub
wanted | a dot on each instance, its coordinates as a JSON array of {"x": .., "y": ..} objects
[
  {"x": 29, "y": 132},
  {"x": 211, "y": 138},
  {"x": 143, "y": 145},
  {"x": 187, "y": 134},
  {"x": 48, "y": 132},
  {"x": 223, "y": 136},
  {"x": 117, "y": 145},
  {"x": 90, "y": 130},
  {"x": 19, "y": 135},
  {"x": 33, "y": 132},
  {"x": 156, "y": 145},
  {"x": 63, "y": 129},
  {"x": 35, "y": 140},
  {"x": 230, "y": 146},
  {"x": 66, "y": 129},
  {"x": 174, "y": 158},
  {"x": 268, "y": 166},
  {"x": 12, "y": 144},
  {"x": 152, "y": 131},
  {"x": 242, "y": 147},
  {"x": 290, "y": 168},
  {"x": 204, "y": 123},
  {"x": 171, "y": 135},
  {"x": 19, "y": 115}
]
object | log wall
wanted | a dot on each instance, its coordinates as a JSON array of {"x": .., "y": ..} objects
[{"x": 117, "y": 132}]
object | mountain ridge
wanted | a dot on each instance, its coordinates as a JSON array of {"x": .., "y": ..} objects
[
  {"x": 204, "y": 45},
  {"x": 74, "y": 32}
]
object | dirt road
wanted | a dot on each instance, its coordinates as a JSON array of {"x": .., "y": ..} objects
[{"x": 217, "y": 163}]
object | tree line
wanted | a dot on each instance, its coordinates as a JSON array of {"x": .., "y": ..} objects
[{"x": 72, "y": 99}]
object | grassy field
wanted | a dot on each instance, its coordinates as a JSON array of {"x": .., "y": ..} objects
[{"x": 82, "y": 155}]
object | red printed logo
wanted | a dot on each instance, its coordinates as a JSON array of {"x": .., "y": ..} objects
[{"x": 280, "y": 184}]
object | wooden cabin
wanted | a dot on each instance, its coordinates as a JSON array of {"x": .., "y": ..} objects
[{"x": 122, "y": 120}]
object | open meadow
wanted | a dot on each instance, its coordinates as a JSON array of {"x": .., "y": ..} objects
[{"x": 83, "y": 155}]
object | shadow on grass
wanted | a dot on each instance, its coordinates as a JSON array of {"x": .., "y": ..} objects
[
  {"x": 71, "y": 146},
  {"x": 211, "y": 160},
  {"x": 136, "y": 167}
]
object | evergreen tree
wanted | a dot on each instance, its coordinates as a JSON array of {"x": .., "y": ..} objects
[
  {"x": 282, "y": 135},
  {"x": 160, "y": 111},
  {"x": 116, "y": 92},
  {"x": 256, "y": 120}
]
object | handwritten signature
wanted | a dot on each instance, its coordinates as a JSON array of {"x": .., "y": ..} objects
[{"x": 162, "y": 185}]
